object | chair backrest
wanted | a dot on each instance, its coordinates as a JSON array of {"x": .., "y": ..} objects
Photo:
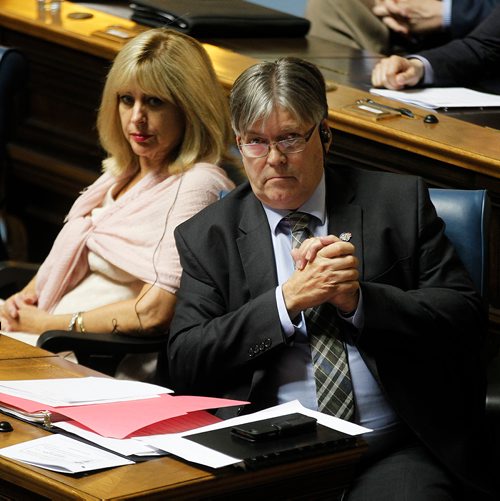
[
  {"x": 466, "y": 214},
  {"x": 13, "y": 74}
]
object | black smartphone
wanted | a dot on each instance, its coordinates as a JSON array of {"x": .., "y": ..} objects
[{"x": 281, "y": 426}]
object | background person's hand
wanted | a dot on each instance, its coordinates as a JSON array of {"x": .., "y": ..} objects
[
  {"x": 396, "y": 72},
  {"x": 387, "y": 13},
  {"x": 410, "y": 16}
]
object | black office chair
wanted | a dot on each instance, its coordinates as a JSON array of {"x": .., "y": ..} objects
[
  {"x": 466, "y": 214},
  {"x": 104, "y": 352}
]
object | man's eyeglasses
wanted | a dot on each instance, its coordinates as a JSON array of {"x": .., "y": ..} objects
[{"x": 286, "y": 146}]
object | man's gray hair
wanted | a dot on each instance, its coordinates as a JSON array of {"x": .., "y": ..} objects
[{"x": 289, "y": 83}]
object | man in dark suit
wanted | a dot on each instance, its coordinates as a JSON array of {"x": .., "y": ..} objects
[
  {"x": 378, "y": 266},
  {"x": 471, "y": 61}
]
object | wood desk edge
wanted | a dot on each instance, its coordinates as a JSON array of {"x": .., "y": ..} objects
[
  {"x": 144, "y": 480},
  {"x": 434, "y": 142},
  {"x": 415, "y": 136}
]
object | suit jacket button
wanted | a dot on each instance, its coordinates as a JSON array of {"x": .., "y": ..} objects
[
  {"x": 268, "y": 342},
  {"x": 251, "y": 352}
]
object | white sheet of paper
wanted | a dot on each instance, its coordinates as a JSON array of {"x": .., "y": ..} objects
[
  {"x": 441, "y": 97},
  {"x": 191, "y": 451},
  {"x": 79, "y": 391},
  {"x": 62, "y": 454},
  {"x": 125, "y": 446}
]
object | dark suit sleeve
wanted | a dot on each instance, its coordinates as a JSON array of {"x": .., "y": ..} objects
[
  {"x": 470, "y": 59},
  {"x": 423, "y": 293},
  {"x": 220, "y": 332},
  {"x": 467, "y": 14},
  {"x": 424, "y": 328}
]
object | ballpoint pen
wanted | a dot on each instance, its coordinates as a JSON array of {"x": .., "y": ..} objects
[{"x": 404, "y": 111}]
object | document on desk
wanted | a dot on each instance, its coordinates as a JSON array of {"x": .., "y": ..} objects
[
  {"x": 441, "y": 97},
  {"x": 79, "y": 391},
  {"x": 125, "y": 446},
  {"x": 131, "y": 446},
  {"x": 96, "y": 411},
  {"x": 62, "y": 454},
  {"x": 178, "y": 445}
]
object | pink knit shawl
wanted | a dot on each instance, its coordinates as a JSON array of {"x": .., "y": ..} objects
[{"x": 135, "y": 233}]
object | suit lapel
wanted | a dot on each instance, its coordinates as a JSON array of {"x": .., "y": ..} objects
[
  {"x": 344, "y": 216},
  {"x": 256, "y": 248}
]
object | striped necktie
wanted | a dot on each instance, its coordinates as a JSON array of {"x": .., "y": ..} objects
[{"x": 331, "y": 369}]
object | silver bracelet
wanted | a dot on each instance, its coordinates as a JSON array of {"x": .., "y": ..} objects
[{"x": 72, "y": 322}]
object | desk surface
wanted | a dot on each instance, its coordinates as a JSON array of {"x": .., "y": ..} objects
[
  {"x": 157, "y": 478},
  {"x": 452, "y": 141},
  {"x": 11, "y": 349},
  {"x": 345, "y": 65}
]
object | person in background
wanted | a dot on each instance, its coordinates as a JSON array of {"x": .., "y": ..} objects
[
  {"x": 336, "y": 287},
  {"x": 395, "y": 26},
  {"x": 471, "y": 61},
  {"x": 164, "y": 122}
]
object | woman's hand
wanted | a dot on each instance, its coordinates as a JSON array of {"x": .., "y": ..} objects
[{"x": 9, "y": 311}]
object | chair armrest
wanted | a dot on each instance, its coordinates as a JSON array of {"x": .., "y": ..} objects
[
  {"x": 102, "y": 352},
  {"x": 93, "y": 343},
  {"x": 493, "y": 391}
]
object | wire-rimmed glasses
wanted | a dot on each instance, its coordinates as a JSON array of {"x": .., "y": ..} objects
[{"x": 285, "y": 146}]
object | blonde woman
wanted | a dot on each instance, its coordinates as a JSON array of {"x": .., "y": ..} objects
[{"x": 164, "y": 123}]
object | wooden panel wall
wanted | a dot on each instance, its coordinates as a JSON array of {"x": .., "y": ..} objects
[{"x": 54, "y": 150}]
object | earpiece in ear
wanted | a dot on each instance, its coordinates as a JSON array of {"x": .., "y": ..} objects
[{"x": 324, "y": 134}]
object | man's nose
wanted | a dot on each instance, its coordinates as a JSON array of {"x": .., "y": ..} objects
[{"x": 275, "y": 156}]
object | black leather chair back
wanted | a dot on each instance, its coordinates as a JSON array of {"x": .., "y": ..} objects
[{"x": 13, "y": 75}]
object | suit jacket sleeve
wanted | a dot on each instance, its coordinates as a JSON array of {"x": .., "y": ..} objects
[
  {"x": 222, "y": 330},
  {"x": 471, "y": 59},
  {"x": 414, "y": 285},
  {"x": 467, "y": 14}
]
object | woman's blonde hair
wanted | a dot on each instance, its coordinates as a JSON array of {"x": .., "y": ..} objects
[{"x": 175, "y": 68}]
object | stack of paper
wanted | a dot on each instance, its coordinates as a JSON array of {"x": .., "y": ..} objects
[
  {"x": 191, "y": 451},
  {"x": 110, "y": 407},
  {"x": 105, "y": 411},
  {"x": 441, "y": 97},
  {"x": 129, "y": 418},
  {"x": 63, "y": 454}
]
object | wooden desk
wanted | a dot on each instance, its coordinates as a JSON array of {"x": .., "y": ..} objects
[
  {"x": 11, "y": 349},
  {"x": 55, "y": 150},
  {"x": 163, "y": 478}
]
